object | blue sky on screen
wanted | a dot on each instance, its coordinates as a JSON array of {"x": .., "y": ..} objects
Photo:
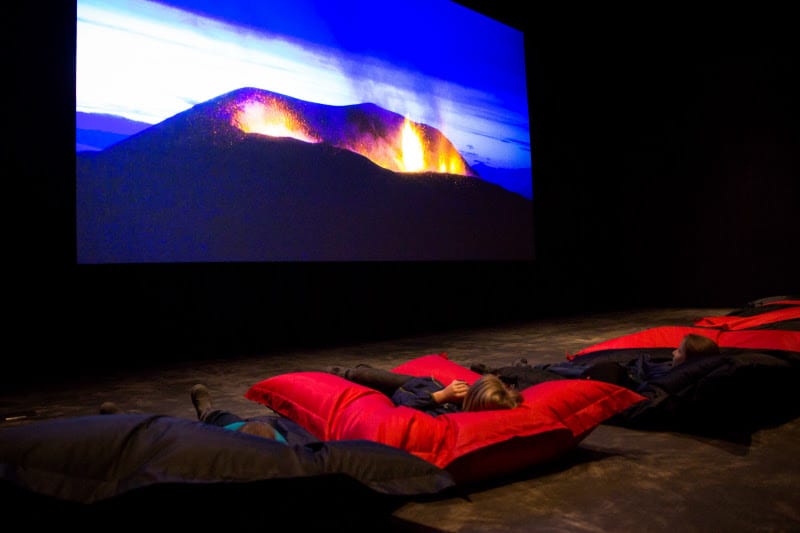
[{"x": 435, "y": 62}]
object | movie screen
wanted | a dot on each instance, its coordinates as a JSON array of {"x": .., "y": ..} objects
[{"x": 300, "y": 131}]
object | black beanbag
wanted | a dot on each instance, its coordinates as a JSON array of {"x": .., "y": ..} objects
[{"x": 148, "y": 470}]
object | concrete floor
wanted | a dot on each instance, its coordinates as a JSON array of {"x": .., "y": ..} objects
[{"x": 618, "y": 479}]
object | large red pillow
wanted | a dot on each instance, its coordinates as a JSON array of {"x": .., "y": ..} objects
[
  {"x": 553, "y": 418},
  {"x": 671, "y": 336},
  {"x": 770, "y": 317}
]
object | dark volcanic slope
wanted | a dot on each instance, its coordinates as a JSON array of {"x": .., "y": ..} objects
[{"x": 195, "y": 188}]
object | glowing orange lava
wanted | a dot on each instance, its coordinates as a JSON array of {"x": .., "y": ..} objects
[
  {"x": 273, "y": 118},
  {"x": 412, "y": 148},
  {"x": 413, "y": 154},
  {"x": 450, "y": 162}
]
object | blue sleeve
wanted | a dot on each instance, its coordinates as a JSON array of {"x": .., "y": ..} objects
[
  {"x": 646, "y": 369},
  {"x": 417, "y": 393}
]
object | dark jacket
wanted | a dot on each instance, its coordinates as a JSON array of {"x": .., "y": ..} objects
[{"x": 417, "y": 393}]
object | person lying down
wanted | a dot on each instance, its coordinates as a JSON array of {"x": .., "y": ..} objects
[{"x": 427, "y": 394}]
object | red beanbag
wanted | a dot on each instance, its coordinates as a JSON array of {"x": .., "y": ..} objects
[
  {"x": 553, "y": 418},
  {"x": 658, "y": 337},
  {"x": 671, "y": 336}
]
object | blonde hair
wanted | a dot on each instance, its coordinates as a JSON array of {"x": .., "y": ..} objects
[{"x": 488, "y": 393}]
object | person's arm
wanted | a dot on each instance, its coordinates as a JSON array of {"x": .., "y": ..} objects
[
  {"x": 425, "y": 393},
  {"x": 453, "y": 393}
]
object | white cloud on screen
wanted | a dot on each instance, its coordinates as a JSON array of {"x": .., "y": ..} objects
[{"x": 147, "y": 62}]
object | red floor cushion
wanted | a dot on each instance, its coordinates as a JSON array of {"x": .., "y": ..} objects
[
  {"x": 553, "y": 418},
  {"x": 751, "y": 384}
]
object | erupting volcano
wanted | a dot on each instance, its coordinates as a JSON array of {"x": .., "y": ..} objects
[
  {"x": 257, "y": 176},
  {"x": 385, "y": 138}
]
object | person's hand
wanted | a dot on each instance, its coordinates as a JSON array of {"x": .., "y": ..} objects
[{"x": 452, "y": 393}]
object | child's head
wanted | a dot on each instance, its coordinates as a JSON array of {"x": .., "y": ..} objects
[
  {"x": 488, "y": 393},
  {"x": 694, "y": 346}
]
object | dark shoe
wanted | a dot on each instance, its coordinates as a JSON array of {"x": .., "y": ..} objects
[
  {"x": 479, "y": 368},
  {"x": 109, "y": 408},
  {"x": 520, "y": 362},
  {"x": 201, "y": 399},
  {"x": 336, "y": 371}
]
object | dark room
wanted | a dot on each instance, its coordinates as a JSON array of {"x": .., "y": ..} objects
[{"x": 238, "y": 208}]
